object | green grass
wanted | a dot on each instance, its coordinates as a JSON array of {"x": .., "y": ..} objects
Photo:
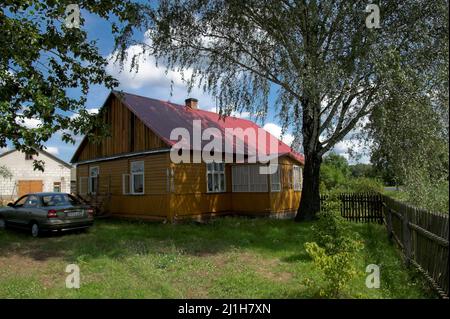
[{"x": 227, "y": 258}]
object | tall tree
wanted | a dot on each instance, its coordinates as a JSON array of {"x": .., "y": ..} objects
[
  {"x": 327, "y": 66},
  {"x": 41, "y": 58},
  {"x": 409, "y": 130}
]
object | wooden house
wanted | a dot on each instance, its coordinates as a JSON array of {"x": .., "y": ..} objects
[{"x": 131, "y": 174}]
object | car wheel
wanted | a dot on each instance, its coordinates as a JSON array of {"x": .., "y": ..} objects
[
  {"x": 2, "y": 223},
  {"x": 35, "y": 231}
]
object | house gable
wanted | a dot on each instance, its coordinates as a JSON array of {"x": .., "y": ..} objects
[
  {"x": 128, "y": 134},
  {"x": 56, "y": 172}
]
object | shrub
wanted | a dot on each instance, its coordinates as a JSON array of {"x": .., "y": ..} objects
[
  {"x": 363, "y": 184},
  {"x": 333, "y": 251}
]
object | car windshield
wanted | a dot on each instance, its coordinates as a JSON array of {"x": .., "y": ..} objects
[{"x": 59, "y": 200}]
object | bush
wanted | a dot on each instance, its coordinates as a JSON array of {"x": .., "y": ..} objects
[
  {"x": 333, "y": 251},
  {"x": 363, "y": 184}
]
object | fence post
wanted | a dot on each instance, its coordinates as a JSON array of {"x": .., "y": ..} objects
[
  {"x": 386, "y": 211},
  {"x": 388, "y": 221},
  {"x": 406, "y": 236}
]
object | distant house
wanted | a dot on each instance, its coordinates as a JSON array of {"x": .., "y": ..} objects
[
  {"x": 130, "y": 172},
  {"x": 56, "y": 176}
]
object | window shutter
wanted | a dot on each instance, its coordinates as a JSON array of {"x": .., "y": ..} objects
[
  {"x": 126, "y": 184},
  {"x": 275, "y": 181}
]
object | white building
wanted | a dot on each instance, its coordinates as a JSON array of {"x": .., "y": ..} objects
[{"x": 56, "y": 176}]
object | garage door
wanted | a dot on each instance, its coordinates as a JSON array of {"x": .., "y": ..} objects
[{"x": 26, "y": 187}]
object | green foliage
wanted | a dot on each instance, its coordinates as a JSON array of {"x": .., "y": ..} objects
[
  {"x": 409, "y": 130},
  {"x": 41, "y": 60},
  {"x": 336, "y": 179},
  {"x": 362, "y": 170},
  {"x": 338, "y": 269},
  {"x": 334, "y": 171},
  {"x": 334, "y": 251},
  {"x": 363, "y": 184},
  {"x": 428, "y": 194},
  {"x": 336, "y": 175},
  {"x": 5, "y": 172}
]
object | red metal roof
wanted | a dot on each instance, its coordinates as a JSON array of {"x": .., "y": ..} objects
[{"x": 162, "y": 117}]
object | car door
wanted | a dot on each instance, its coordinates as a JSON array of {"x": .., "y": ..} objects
[{"x": 13, "y": 216}]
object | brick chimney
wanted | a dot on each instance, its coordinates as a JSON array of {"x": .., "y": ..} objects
[{"x": 191, "y": 103}]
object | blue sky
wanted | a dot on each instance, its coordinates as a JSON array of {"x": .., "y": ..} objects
[{"x": 152, "y": 82}]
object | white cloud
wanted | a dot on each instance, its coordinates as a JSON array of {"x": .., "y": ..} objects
[
  {"x": 52, "y": 150},
  {"x": 151, "y": 80},
  {"x": 275, "y": 130},
  {"x": 4, "y": 149},
  {"x": 28, "y": 123},
  {"x": 90, "y": 111},
  {"x": 241, "y": 115},
  {"x": 349, "y": 147},
  {"x": 148, "y": 74}
]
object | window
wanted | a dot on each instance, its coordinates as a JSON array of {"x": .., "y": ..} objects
[
  {"x": 297, "y": 178},
  {"x": 137, "y": 177},
  {"x": 275, "y": 180},
  {"x": 93, "y": 179},
  {"x": 247, "y": 178},
  {"x": 215, "y": 177},
  {"x": 60, "y": 200},
  {"x": 21, "y": 201},
  {"x": 29, "y": 157},
  {"x": 57, "y": 187},
  {"x": 31, "y": 202}
]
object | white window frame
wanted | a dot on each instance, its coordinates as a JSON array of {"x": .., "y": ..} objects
[
  {"x": 132, "y": 176},
  {"x": 91, "y": 177},
  {"x": 297, "y": 184},
  {"x": 213, "y": 173},
  {"x": 274, "y": 182},
  {"x": 253, "y": 174},
  {"x": 86, "y": 183}
]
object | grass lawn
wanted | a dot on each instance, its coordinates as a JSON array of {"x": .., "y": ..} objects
[{"x": 228, "y": 258}]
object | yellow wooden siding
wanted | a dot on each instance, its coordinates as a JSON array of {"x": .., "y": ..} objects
[
  {"x": 118, "y": 117},
  {"x": 154, "y": 201},
  {"x": 189, "y": 196},
  {"x": 287, "y": 199}
]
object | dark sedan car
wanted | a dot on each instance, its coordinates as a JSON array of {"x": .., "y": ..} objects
[{"x": 39, "y": 212}]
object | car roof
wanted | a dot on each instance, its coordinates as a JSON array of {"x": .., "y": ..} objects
[{"x": 47, "y": 193}]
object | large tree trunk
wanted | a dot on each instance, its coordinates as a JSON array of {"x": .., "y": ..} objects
[{"x": 310, "y": 198}]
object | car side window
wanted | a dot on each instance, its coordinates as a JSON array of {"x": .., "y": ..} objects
[
  {"x": 20, "y": 202},
  {"x": 32, "y": 201}
]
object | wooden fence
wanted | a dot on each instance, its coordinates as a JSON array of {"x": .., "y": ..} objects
[
  {"x": 423, "y": 238},
  {"x": 421, "y": 235},
  {"x": 359, "y": 207}
]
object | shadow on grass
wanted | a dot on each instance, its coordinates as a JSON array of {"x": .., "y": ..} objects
[{"x": 120, "y": 239}]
